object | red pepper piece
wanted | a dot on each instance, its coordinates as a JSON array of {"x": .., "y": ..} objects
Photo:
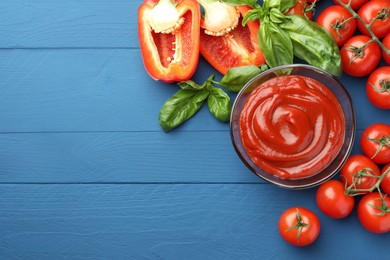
[
  {"x": 171, "y": 55},
  {"x": 237, "y": 48}
]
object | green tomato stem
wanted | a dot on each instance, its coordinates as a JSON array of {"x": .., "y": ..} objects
[{"x": 367, "y": 26}]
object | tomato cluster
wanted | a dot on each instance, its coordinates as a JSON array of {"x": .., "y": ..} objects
[
  {"x": 361, "y": 175},
  {"x": 362, "y": 31}
]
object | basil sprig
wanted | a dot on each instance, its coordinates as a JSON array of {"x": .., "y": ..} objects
[
  {"x": 281, "y": 37},
  {"x": 186, "y": 102}
]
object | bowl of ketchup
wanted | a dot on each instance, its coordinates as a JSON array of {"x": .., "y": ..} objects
[{"x": 293, "y": 125}]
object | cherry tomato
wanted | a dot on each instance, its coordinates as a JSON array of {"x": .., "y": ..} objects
[
  {"x": 335, "y": 19},
  {"x": 359, "y": 57},
  {"x": 301, "y": 8},
  {"x": 385, "y": 184},
  {"x": 378, "y": 87},
  {"x": 375, "y": 143},
  {"x": 355, "y": 4},
  {"x": 386, "y": 43},
  {"x": 374, "y": 213},
  {"x": 299, "y": 226},
  {"x": 333, "y": 201},
  {"x": 370, "y": 10},
  {"x": 359, "y": 172}
]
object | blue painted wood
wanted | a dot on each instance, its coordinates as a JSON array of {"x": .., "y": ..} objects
[
  {"x": 185, "y": 157},
  {"x": 107, "y": 90},
  {"x": 72, "y": 23},
  {"x": 87, "y": 173},
  {"x": 221, "y": 221}
]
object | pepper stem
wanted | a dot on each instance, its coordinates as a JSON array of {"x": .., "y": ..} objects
[
  {"x": 164, "y": 18},
  {"x": 219, "y": 17}
]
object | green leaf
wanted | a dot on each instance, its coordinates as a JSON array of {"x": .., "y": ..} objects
[
  {"x": 219, "y": 104},
  {"x": 285, "y": 5},
  {"x": 189, "y": 84},
  {"x": 181, "y": 107},
  {"x": 252, "y": 15},
  {"x": 276, "y": 16},
  {"x": 251, "y": 3},
  {"x": 313, "y": 44},
  {"x": 237, "y": 77},
  {"x": 275, "y": 44}
]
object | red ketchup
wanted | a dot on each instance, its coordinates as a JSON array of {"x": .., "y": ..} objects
[{"x": 292, "y": 126}]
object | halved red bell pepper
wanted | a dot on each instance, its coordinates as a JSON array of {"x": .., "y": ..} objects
[
  {"x": 237, "y": 46},
  {"x": 169, "y": 38}
]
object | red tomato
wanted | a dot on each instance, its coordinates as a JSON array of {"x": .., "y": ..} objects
[
  {"x": 375, "y": 143},
  {"x": 359, "y": 57},
  {"x": 335, "y": 20},
  {"x": 301, "y": 8},
  {"x": 385, "y": 184},
  {"x": 378, "y": 87},
  {"x": 299, "y": 226},
  {"x": 333, "y": 201},
  {"x": 355, "y": 4},
  {"x": 386, "y": 42},
  {"x": 373, "y": 212},
  {"x": 381, "y": 27},
  {"x": 359, "y": 172}
]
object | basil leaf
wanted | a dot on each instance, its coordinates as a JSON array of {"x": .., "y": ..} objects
[
  {"x": 219, "y": 104},
  {"x": 237, "y": 77},
  {"x": 189, "y": 84},
  {"x": 275, "y": 44},
  {"x": 181, "y": 107},
  {"x": 276, "y": 16},
  {"x": 252, "y": 15},
  {"x": 251, "y": 3},
  {"x": 313, "y": 44},
  {"x": 286, "y": 5}
]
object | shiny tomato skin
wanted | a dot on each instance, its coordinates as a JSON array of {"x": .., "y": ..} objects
[
  {"x": 332, "y": 17},
  {"x": 355, "y": 4},
  {"x": 308, "y": 233},
  {"x": 371, "y": 147},
  {"x": 333, "y": 201},
  {"x": 386, "y": 43},
  {"x": 372, "y": 218},
  {"x": 378, "y": 87},
  {"x": 300, "y": 9},
  {"x": 349, "y": 173},
  {"x": 357, "y": 66},
  {"x": 368, "y": 12},
  {"x": 385, "y": 184}
]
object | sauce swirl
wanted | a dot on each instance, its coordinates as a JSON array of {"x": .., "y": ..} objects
[{"x": 292, "y": 126}]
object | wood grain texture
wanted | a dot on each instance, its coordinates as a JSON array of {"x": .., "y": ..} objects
[
  {"x": 166, "y": 222},
  {"x": 196, "y": 157},
  {"x": 107, "y": 90},
  {"x": 68, "y": 24}
]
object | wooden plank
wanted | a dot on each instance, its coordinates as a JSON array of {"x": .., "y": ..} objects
[
  {"x": 71, "y": 23},
  {"x": 166, "y": 222},
  {"x": 125, "y": 157},
  {"x": 106, "y": 90}
]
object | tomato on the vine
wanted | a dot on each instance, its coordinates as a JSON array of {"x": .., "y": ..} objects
[
  {"x": 301, "y": 8},
  {"x": 386, "y": 43},
  {"x": 375, "y": 143},
  {"x": 359, "y": 172},
  {"x": 339, "y": 22},
  {"x": 378, "y": 87},
  {"x": 355, "y": 4},
  {"x": 374, "y": 213},
  {"x": 333, "y": 201},
  {"x": 299, "y": 226},
  {"x": 385, "y": 184},
  {"x": 375, "y": 9},
  {"x": 360, "y": 56}
]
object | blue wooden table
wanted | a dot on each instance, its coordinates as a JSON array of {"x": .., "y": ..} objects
[{"x": 87, "y": 173}]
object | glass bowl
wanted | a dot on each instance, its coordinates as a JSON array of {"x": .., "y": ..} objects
[{"x": 341, "y": 94}]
